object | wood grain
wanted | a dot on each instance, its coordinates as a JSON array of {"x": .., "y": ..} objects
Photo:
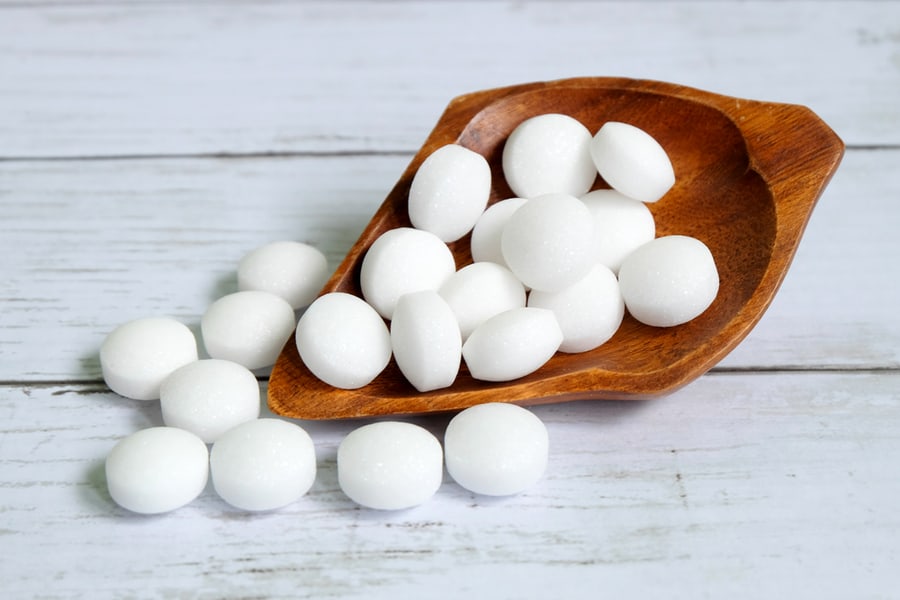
[
  {"x": 109, "y": 79},
  {"x": 748, "y": 175},
  {"x": 145, "y": 146},
  {"x": 723, "y": 489},
  {"x": 88, "y": 245}
]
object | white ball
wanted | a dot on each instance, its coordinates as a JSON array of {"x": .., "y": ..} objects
[
  {"x": 137, "y": 356},
  {"x": 512, "y": 344},
  {"x": 249, "y": 328},
  {"x": 485, "y": 242},
  {"x": 449, "y": 192},
  {"x": 589, "y": 312},
  {"x": 631, "y": 161},
  {"x": 390, "y": 465},
  {"x": 426, "y": 341},
  {"x": 669, "y": 281},
  {"x": 622, "y": 223},
  {"x": 293, "y": 270},
  {"x": 496, "y": 449},
  {"x": 549, "y": 243},
  {"x": 343, "y": 341},
  {"x": 549, "y": 154},
  {"x": 156, "y": 470},
  {"x": 479, "y": 291},
  {"x": 401, "y": 261},
  {"x": 263, "y": 464},
  {"x": 209, "y": 397}
]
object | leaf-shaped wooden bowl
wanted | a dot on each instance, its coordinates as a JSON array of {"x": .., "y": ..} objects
[{"x": 748, "y": 174}]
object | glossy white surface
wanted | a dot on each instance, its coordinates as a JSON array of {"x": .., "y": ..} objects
[
  {"x": 449, "y": 192},
  {"x": 426, "y": 340},
  {"x": 292, "y": 270},
  {"x": 496, "y": 449},
  {"x": 401, "y": 261},
  {"x": 208, "y": 397},
  {"x": 157, "y": 470},
  {"x": 390, "y": 465},
  {"x": 343, "y": 341},
  {"x": 137, "y": 356},
  {"x": 263, "y": 464},
  {"x": 248, "y": 327}
]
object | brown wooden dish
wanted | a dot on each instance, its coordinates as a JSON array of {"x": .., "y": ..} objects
[{"x": 748, "y": 175}]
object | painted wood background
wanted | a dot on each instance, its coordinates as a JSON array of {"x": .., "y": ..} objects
[{"x": 146, "y": 146}]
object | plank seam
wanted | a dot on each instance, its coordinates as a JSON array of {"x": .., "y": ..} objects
[{"x": 291, "y": 154}]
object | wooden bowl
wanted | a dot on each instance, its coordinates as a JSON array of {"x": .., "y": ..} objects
[{"x": 748, "y": 175}]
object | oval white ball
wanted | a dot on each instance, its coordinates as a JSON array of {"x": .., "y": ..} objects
[
  {"x": 449, "y": 192},
  {"x": 401, "y": 261},
  {"x": 249, "y": 328},
  {"x": 632, "y": 162},
  {"x": 426, "y": 341},
  {"x": 512, "y": 344},
  {"x": 137, "y": 356},
  {"x": 157, "y": 470},
  {"x": 547, "y": 154},
  {"x": 496, "y": 449},
  {"x": 479, "y": 291},
  {"x": 589, "y": 312},
  {"x": 622, "y": 225},
  {"x": 263, "y": 464},
  {"x": 486, "y": 235},
  {"x": 292, "y": 270},
  {"x": 549, "y": 242},
  {"x": 669, "y": 281},
  {"x": 343, "y": 341},
  {"x": 209, "y": 397},
  {"x": 390, "y": 465}
]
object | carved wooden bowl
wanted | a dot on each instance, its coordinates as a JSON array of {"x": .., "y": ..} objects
[{"x": 748, "y": 175}]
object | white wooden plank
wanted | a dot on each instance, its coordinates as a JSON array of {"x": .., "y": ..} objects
[
  {"x": 244, "y": 77},
  {"x": 739, "y": 486},
  {"x": 87, "y": 245}
]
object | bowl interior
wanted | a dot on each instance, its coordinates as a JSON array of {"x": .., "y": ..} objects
[
  {"x": 716, "y": 198},
  {"x": 719, "y": 197}
]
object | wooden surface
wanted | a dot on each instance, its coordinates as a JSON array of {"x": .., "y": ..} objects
[
  {"x": 748, "y": 175},
  {"x": 145, "y": 147}
]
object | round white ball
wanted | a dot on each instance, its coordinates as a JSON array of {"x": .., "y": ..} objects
[
  {"x": 449, "y": 192},
  {"x": 669, "y": 281},
  {"x": 343, "y": 341},
  {"x": 390, "y": 465},
  {"x": 496, "y": 449},
  {"x": 485, "y": 241},
  {"x": 479, "y": 291},
  {"x": 589, "y": 312},
  {"x": 137, "y": 356},
  {"x": 631, "y": 161},
  {"x": 426, "y": 341},
  {"x": 209, "y": 397},
  {"x": 156, "y": 470},
  {"x": 249, "y": 328},
  {"x": 622, "y": 224},
  {"x": 512, "y": 344},
  {"x": 401, "y": 261},
  {"x": 549, "y": 242},
  {"x": 263, "y": 464},
  {"x": 548, "y": 154},
  {"x": 292, "y": 270}
]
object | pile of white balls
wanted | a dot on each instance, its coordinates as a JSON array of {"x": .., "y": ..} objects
[
  {"x": 555, "y": 267},
  {"x": 211, "y": 413},
  {"x": 255, "y": 463}
]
